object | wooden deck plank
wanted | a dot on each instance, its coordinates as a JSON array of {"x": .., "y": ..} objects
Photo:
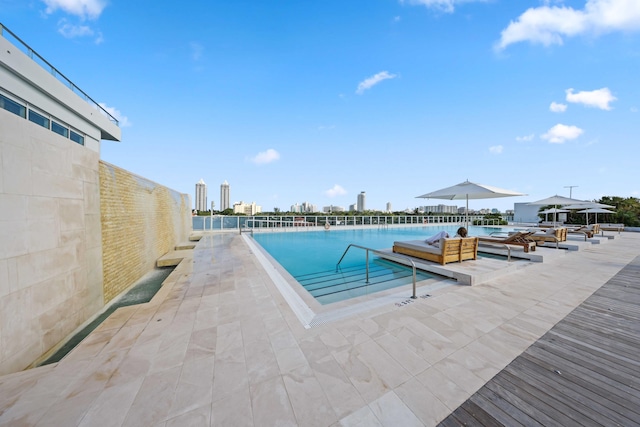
[
  {"x": 592, "y": 339},
  {"x": 491, "y": 403},
  {"x": 583, "y": 355},
  {"x": 514, "y": 391},
  {"x": 592, "y": 405},
  {"x": 601, "y": 390},
  {"x": 584, "y": 371},
  {"x": 601, "y": 378},
  {"x": 464, "y": 418}
]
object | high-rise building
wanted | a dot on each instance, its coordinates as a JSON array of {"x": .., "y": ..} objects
[
  {"x": 308, "y": 207},
  {"x": 201, "y": 195},
  {"x": 388, "y": 206},
  {"x": 224, "y": 196},
  {"x": 362, "y": 198}
]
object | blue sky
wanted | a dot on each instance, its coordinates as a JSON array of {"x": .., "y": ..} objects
[{"x": 293, "y": 101}]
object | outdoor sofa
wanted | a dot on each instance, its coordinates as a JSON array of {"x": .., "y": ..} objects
[{"x": 454, "y": 249}]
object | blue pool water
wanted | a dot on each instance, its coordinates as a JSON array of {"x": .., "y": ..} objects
[{"x": 311, "y": 257}]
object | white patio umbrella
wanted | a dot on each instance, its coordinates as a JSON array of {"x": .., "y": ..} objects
[
  {"x": 596, "y": 211},
  {"x": 553, "y": 211},
  {"x": 589, "y": 205},
  {"x": 469, "y": 190},
  {"x": 557, "y": 201}
]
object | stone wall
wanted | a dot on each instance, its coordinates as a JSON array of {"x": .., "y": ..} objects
[
  {"x": 50, "y": 240},
  {"x": 74, "y": 233},
  {"x": 141, "y": 221}
]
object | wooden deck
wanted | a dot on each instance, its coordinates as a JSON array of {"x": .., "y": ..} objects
[{"x": 584, "y": 372}]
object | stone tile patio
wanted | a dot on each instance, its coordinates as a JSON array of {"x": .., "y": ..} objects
[{"x": 219, "y": 345}]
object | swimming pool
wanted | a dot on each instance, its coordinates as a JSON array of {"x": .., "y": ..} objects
[{"x": 311, "y": 258}]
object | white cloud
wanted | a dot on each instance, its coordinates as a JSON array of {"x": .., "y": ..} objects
[
  {"x": 123, "y": 121},
  {"x": 268, "y": 156},
  {"x": 369, "y": 82},
  {"x": 525, "y": 138},
  {"x": 71, "y": 31},
  {"x": 336, "y": 190},
  {"x": 634, "y": 109},
  {"x": 496, "y": 149},
  {"x": 561, "y": 133},
  {"x": 557, "y": 108},
  {"x": 549, "y": 25},
  {"x": 599, "y": 98},
  {"x": 396, "y": 19},
  {"x": 84, "y": 9},
  {"x": 443, "y": 5}
]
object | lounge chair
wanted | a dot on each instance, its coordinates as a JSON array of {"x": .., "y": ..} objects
[
  {"x": 455, "y": 249},
  {"x": 519, "y": 238},
  {"x": 552, "y": 235},
  {"x": 612, "y": 227},
  {"x": 588, "y": 230}
]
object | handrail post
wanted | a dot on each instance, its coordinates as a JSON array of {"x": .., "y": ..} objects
[
  {"x": 414, "y": 281},
  {"x": 367, "y": 264}
]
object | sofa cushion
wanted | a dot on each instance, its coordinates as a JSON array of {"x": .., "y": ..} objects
[{"x": 419, "y": 245}]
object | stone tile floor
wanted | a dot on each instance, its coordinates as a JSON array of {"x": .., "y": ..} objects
[{"x": 218, "y": 345}]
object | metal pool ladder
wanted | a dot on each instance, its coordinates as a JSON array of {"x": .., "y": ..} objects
[{"x": 384, "y": 255}]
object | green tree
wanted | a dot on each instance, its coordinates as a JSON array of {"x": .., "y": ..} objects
[{"x": 627, "y": 210}]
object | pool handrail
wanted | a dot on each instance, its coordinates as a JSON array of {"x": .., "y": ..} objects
[{"x": 385, "y": 255}]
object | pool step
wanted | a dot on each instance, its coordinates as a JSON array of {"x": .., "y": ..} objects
[{"x": 331, "y": 286}]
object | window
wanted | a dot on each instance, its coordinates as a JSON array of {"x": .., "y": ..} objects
[
  {"x": 38, "y": 119},
  {"x": 59, "y": 129},
  {"x": 75, "y": 137},
  {"x": 12, "y": 106}
]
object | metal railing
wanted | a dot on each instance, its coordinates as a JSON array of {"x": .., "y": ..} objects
[
  {"x": 385, "y": 255},
  {"x": 16, "y": 41}
]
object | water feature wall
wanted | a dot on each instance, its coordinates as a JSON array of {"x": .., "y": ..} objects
[{"x": 141, "y": 221}]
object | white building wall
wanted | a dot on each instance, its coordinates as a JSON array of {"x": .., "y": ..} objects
[
  {"x": 524, "y": 212},
  {"x": 50, "y": 225}
]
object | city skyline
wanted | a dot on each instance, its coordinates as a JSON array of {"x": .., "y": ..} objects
[
  {"x": 289, "y": 103},
  {"x": 359, "y": 205}
]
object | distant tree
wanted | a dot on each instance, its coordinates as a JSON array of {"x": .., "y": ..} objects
[
  {"x": 495, "y": 217},
  {"x": 627, "y": 210}
]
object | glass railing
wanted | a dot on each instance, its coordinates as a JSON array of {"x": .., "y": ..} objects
[
  {"x": 16, "y": 41},
  {"x": 310, "y": 222}
]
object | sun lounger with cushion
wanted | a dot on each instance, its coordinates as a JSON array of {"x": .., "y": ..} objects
[
  {"x": 455, "y": 249},
  {"x": 552, "y": 235},
  {"x": 612, "y": 227},
  {"x": 519, "y": 238},
  {"x": 589, "y": 230}
]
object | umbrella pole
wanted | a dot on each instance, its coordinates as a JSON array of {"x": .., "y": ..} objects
[{"x": 466, "y": 213}]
